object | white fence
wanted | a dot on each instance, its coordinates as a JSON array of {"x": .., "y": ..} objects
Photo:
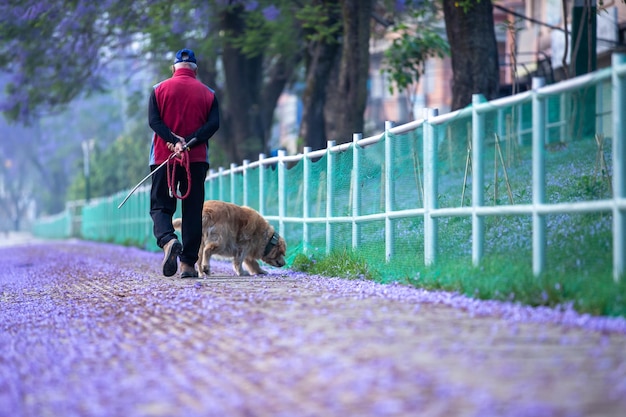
[{"x": 430, "y": 211}]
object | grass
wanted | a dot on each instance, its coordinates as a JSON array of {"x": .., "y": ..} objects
[
  {"x": 497, "y": 278},
  {"x": 579, "y": 250},
  {"x": 339, "y": 263}
]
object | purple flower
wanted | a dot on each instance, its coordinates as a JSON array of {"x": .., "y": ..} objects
[
  {"x": 251, "y": 6},
  {"x": 400, "y": 6},
  {"x": 271, "y": 13}
]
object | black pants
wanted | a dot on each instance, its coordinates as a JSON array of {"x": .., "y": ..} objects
[{"x": 162, "y": 208}]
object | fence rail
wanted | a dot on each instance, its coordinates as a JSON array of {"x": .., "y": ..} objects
[{"x": 328, "y": 198}]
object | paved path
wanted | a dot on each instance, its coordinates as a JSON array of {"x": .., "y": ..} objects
[{"x": 92, "y": 329}]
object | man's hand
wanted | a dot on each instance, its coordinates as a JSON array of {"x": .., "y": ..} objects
[{"x": 179, "y": 146}]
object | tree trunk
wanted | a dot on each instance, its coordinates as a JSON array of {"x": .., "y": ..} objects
[
  {"x": 334, "y": 109},
  {"x": 242, "y": 112},
  {"x": 320, "y": 59},
  {"x": 474, "y": 51},
  {"x": 278, "y": 77},
  {"x": 16, "y": 195},
  {"x": 246, "y": 118},
  {"x": 346, "y": 102}
]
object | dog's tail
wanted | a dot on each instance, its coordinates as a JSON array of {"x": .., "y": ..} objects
[{"x": 177, "y": 223}]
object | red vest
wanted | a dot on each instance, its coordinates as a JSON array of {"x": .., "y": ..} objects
[{"x": 184, "y": 105}]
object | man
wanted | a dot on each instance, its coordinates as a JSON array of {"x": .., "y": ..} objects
[{"x": 181, "y": 108}]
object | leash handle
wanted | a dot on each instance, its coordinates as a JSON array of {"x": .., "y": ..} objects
[{"x": 186, "y": 147}]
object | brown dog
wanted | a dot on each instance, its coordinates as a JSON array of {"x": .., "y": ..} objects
[{"x": 238, "y": 232}]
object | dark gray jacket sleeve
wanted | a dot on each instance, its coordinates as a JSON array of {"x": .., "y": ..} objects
[
  {"x": 207, "y": 130},
  {"x": 156, "y": 123}
]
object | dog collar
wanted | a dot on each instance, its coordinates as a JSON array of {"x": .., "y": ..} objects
[{"x": 273, "y": 242}]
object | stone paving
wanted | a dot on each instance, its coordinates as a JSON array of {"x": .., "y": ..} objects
[{"x": 90, "y": 329}]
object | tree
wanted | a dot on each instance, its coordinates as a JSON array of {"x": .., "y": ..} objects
[
  {"x": 322, "y": 28},
  {"x": 418, "y": 39},
  {"x": 260, "y": 56},
  {"x": 15, "y": 187},
  {"x": 474, "y": 52},
  {"x": 53, "y": 82},
  {"x": 124, "y": 162},
  {"x": 16, "y": 194},
  {"x": 60, "y": 51},
  {"x": 347, "y": 101},
  {"x": 337, "y": 34},
  {"x": 249, "y": 51},
  {"x": 65, "y": 44}
]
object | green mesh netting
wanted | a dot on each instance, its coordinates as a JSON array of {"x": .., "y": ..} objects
[{"x": 313, "y": 207}]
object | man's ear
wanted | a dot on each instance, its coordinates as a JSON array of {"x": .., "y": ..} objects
[{"x": 173, "y": 69}]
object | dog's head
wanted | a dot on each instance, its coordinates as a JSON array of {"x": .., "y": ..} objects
[{"x": 275, "y": 251}]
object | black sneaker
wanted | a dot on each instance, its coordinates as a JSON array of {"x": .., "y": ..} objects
[
  {"x": 187, "y": 271},
  {"x": 171, "y": 250}
]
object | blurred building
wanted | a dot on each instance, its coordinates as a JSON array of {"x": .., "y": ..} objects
[{"x": 531, "y": 42}]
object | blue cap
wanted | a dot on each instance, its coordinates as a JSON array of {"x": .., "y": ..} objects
[{"x": 185, "y": 55}]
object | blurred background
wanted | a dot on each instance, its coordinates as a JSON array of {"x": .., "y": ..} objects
[{"x": 75, "y": 76}]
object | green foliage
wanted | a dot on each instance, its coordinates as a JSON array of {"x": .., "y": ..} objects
[
  {"x": 119, "y": 166},
  {"x": 466, "y": 5},
  {"x": 592, "y": 187},
  {"x": 406, "y": 57},
  {"x": 263, "y": 36},
  {"x": 316, "y": 21},
  {"x": 343, "y": 264},
  {"x": 254, "y": 40},
  {"x": 130, "y": 243},
  {"x": 302, "y": 263}
]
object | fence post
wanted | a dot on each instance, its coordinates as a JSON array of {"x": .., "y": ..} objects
[
  {"x": 246, "y": 162},
  {"x": 220, "y": 181},
  {"x": 539, "y": 176},
  {"x": 261, "y": 184},
  {"x": 389, "y": 192},
  {"x": 478, "y": 178},
  {"x": 233, "y": 191},
  {"x": 306, "y": 180},
  {"x": 282, "y": 201},
  {"x": 329, "y": 194},
  {"x": 619, "y": 164},
  {"x": 145, "y": 208},
  {"x": 356, "y": 190},
  {"x": 564, "y": 114},
  {"x": 431, "y": 191},
  {"x": 520, "y": 126},
  {"x": 599, "y": 116},
  {"x": 72, "y": 227},
  {"x": 212, "y": 184}
]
